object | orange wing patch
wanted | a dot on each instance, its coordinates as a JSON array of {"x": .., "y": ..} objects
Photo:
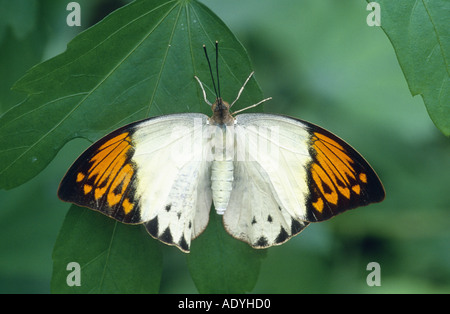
[
  {"x": 105, "y": 181},
  {"x": 339, "y": 178},
  {"x": 336, "y": 162}
]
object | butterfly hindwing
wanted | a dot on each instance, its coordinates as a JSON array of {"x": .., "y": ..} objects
[
  {"x": 186, "y": 212},
  {"x": 253, "y": 214}
]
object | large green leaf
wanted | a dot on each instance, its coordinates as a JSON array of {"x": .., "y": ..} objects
[
  {"x": 138, "y": 62},
  {"x": 420, "y": 34},
  {"x": 113, "y": 257}
]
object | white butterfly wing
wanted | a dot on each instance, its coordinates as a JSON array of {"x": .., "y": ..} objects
[
  {"x": 254, "y": 214},
  {"x": 174, "y": 181},
  {"x": 150, "y": 172},
  {"x": 288, "y": 173},
  {"x": 269, "y": 187}
]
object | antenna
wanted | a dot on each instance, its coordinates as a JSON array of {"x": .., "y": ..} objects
[
  {"x": 217, "y": 66},
  {"x": 217, "y": 90},
  {"x": 210, "y": 69}
]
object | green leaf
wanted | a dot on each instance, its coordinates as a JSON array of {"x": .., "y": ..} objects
[
  {"x": 218, "y": 263},
  {"x": 138, "y": 62},
  {"x": 113, "y": 257},
  {"x": 420, "y": 34}
]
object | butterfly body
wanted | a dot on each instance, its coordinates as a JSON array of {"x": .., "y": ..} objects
[{"x": 222, "y": 163}]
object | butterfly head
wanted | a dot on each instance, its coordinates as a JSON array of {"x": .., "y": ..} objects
[{"x": 221, "y": 113}]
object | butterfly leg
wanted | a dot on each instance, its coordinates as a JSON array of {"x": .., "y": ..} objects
[
  {"x": 203, "y": 90},
  {"x": 242, "y": 88}
]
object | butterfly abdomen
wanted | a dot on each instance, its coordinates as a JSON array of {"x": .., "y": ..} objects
[{"x": 221, "y": 184}]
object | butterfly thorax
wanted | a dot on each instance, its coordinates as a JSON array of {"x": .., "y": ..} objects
[{"x": 221, "y": 113}]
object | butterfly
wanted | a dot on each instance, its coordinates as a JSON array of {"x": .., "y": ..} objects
[{"x": 268, "y": 175}]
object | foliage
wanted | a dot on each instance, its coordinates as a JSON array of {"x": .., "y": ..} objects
[
  {"x": 419, "y": 32},
  {"x": 139, "y": 62}
]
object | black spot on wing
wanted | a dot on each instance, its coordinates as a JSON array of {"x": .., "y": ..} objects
[
  {"x": 166, "y": 236},
  {"x": 118, "y": 189},
  {"x": 152, "y": 227},
  {"x": 183, "y": 244},
  {"x": 262, "y": 242},
  {"x": 253, "y": 220},
  {"x": 282, "y": 236},
  {"x": 297, "y": 226},
  {"x": 269, "y": 218},
  {"x": 168, "y": 207}
]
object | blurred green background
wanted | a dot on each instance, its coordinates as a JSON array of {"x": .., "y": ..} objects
[{"x": 320, "y": 62}]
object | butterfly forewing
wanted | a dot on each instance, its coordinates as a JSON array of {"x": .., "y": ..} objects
[
  {"x": 104, "y": 178},
  {"x": 339, "y": 178}
]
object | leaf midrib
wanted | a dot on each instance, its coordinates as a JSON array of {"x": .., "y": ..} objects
[{"x": 158, "y": 80}]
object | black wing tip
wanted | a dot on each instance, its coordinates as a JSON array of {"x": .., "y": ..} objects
[{"x": 368, "y": 187}]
